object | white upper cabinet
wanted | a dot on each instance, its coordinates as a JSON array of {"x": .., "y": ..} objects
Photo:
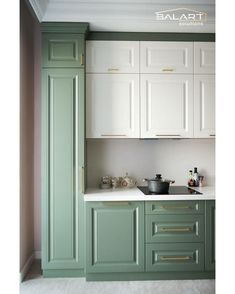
[
  {"x": 204, "y": 57},
  {"x": 166, "y": 106},
  {"x": 112, "y": 105},
  {"x": 166, "y": 57},
  {"x": 112, "y": 57},
  {"x": 204, "y": 106}
]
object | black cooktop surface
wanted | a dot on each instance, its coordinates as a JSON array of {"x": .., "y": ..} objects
[{"x": 173, "y": 190}]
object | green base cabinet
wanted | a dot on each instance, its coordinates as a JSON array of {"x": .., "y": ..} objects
[
  {"x": 115, "y": 237},
  {"x": 156, "y": 240},
  {"x": 62, "y": 154},
  {"x": 210, "y": 236}
]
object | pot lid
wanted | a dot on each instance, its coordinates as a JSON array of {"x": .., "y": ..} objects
[{"x": 158, "y": 178}]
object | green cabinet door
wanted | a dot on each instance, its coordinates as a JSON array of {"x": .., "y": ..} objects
[
  {"x": 62, "y": 163},
  {"x": 63, "y": 50},
  {"x": 210, "y": 236},
  {"x": 114, "y": 237}
]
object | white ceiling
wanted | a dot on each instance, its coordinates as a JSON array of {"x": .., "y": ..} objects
[{"x": 123, "y": 15}]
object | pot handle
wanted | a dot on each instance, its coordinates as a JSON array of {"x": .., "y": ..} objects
[{"x": 169, "y": 181}]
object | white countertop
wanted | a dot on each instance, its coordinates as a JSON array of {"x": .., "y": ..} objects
[{"x": 134, "y": 194}]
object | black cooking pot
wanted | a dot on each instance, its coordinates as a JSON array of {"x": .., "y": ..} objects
[{"x": 158, "y": 185}]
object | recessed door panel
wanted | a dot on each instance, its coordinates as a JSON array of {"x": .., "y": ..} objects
[
  {"x": 204, "y": 106},
  {"x": 112, "y": 106},
  {"x": 166, "y": 106},
  {"x": 204, "y": 57},
  {"x": 115, "y": 240},
  {"x": 166, "y": 57},
  {"x": 62, "y": 155},
  {"x": 112, "y": 57}
]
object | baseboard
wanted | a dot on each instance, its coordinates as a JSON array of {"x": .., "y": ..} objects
[
  {"x": 37, "y": 254},
  {"x": 26, "y": 267}
]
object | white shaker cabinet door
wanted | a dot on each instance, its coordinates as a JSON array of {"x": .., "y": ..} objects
[
  {"x": 204, "y": 57},
  {"x": 166, "y": 57},
  {"x": 112, "y": 57},
  {"x": 166, "y": 106},
  {"x": 112, "y": 106},
  {"x": 204, "y": 106}
]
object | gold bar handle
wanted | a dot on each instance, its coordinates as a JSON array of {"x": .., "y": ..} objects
[
  {"x": 116, "y": 203},
  {"x": 175, "y": 207},
  {"x": 82, "y": 190},
  {"x": 168, "y": 69},
  {"x": 175, "y": 229},
  {"x": 177, "y": 258},
  {"x": 82, "y": 59},
  {"x": 168, "y": 135},
  {"x": 108, "y": 135},
  {"x": 113, "y": 69}
]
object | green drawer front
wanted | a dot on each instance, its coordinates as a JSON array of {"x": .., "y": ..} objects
[
  {"x": 174, "y": 228},
  {"x": 174, "y": 257},
  {"x": 63, "y": 50},
  {"x": 175, "y": 207}
]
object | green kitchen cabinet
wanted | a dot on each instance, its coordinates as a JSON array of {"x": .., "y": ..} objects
[
  {"x": 175, "y": 207},
  {"x": 63, "y": 50},
  {"x": 174, "y": 228},
  {"x": 210, "y": 236},
  {"x": 63, "y": 152},
  {"x": 174, "y": 257},
  {"x": 114, "y": 237}
]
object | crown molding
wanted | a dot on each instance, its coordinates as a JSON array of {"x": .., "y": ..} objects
[
  {"x": 39, "y": 7},
  {"x": 117, "y": 16},
  {"x": 123, "y": 15}
]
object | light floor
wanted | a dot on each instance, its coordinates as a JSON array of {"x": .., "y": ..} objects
[{"x": 35, "y": 284}]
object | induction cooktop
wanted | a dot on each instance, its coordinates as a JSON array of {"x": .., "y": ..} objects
[{"x": 173, "y": 190}]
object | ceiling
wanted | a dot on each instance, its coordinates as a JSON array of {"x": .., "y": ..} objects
[{"x": 123, "y": 15}]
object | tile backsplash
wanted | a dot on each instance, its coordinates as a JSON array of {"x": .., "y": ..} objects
[{"x": 144, "y": 158}]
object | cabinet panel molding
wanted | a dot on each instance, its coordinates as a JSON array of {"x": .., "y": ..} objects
[
  {"x": 63, "y": 50},
  {"x": 174, "y": 228},
  {"x": 112, "y": 107},
  {"x": 62, "y": 149},
  {"x": 166, "y": 57},
  {"x": 115, "y": 237},
  {"x": 204, "y": 106},
  {"x": 174, "y": 257},
  {"x": 166, "y": 106},
  {"x": 204, "y": 57},
  {"x": 112, "y": 57}
]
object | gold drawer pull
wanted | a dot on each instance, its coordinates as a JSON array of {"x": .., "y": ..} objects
[
  {"x": 116, "y": 203},
  {"x": 82, "y": 59},
  {"x": 175, "y": 207},
  {"x": 167, "y": 69},
  {"x": 178, "y": 258},
  {"x": 168, "y": 135},
  {"x": 113, "y": 69},
  {"x": 108, "y": 135},
  {"x": 175, "y": 229}
]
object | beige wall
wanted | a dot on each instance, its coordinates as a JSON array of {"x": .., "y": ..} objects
[
  {"x": 144, "y": 158},
  {"x": 27, "y": 33}
]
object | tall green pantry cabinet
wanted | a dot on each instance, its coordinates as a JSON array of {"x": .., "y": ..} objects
[{"x": 63, "y": 135}]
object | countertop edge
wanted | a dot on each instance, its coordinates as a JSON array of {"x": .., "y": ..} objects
[{"x": 134, "y": 194}]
